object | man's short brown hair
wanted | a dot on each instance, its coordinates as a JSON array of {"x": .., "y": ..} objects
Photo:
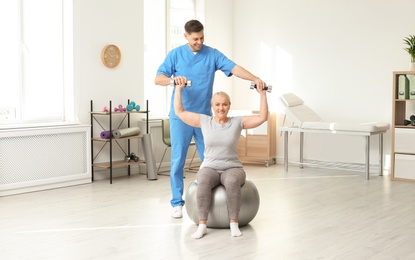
[{"x": 193, "y": 26}]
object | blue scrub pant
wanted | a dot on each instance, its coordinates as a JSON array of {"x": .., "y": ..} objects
[{"x": 181, "y": 134}]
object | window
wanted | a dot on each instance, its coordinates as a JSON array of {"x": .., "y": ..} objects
[
  {"x": 181, "y": 11},
  {"x": 38, "y": 80},
  {"x": 160, "y": 36}
]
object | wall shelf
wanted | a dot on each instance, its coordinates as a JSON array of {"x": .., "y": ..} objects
[
  {"x": 403, "y": 136},
  {"x": 97, "y": 118}
]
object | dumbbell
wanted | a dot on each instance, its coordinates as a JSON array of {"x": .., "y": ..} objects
[
  {"x": 132, "y": 106},
  {"x": 412, "y": 118},
  {"x": 119, "y": 109},
  {"x": 188, "y": 83},
  {"x": 267, "y": 88},
  {"x": 131, "y": 157}
]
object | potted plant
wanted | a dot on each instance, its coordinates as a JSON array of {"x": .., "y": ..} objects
[{"x": 410, "y": 42}]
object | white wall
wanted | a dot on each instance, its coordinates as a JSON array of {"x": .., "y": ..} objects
[
  {"x": 337, "y": 55},
  {"x": 105, "y": 22},
  {"x": 219, "y": 34}
]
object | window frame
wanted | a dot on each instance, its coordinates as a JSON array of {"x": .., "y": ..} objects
[
  {"x": 154, "y": 59},
  {"x": 69, "y": 82}
]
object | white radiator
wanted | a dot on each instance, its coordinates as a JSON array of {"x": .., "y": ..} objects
[{"x": 33, "y": 159}]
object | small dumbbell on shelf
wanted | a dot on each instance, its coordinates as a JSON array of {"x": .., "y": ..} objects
[
  {"x": 133, "y": 106},
  {"x": 120, "y": 108},
  {"x": 411, "y": 121},
  {"x": 131, "y": 157}
]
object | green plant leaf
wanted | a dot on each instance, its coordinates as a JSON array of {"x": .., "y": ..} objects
[{"x": 410, "y": 42}]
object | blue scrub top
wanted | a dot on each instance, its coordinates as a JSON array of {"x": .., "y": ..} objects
[{"x": 200, "y": 68}]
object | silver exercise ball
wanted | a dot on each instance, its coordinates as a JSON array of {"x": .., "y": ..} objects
[{"x": 218, "y": 213}]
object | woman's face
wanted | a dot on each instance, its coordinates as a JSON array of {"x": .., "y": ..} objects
[{"x": 220, "y": 106}]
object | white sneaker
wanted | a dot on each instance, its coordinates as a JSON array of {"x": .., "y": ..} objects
[{"x": 177, "y": 212}]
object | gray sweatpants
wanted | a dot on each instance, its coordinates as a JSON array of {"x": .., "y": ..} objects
[{"x": 208, "y": 178}]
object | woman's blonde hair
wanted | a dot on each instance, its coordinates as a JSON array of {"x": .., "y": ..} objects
[{"x": 221, "y": 93}]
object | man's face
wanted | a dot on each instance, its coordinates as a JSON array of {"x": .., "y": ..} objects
[{"x": 195, "y": 40}]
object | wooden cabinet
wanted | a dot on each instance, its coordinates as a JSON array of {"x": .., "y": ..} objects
[
  {"x": 403, "y": 130},
  {"x": 259, "y": 145},
  {"x": 97, "y": 119}
]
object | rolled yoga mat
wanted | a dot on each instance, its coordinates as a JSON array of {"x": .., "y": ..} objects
[
  {"x": 106, "y": 134},
  {"x": 117, "y": 133},
  {"x": 149, "y": 157}
]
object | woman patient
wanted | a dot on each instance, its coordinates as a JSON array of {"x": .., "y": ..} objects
[{"x": 221, "y": 164}]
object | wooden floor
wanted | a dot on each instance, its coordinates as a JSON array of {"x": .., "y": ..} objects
[{"x": 304, "y": 214}]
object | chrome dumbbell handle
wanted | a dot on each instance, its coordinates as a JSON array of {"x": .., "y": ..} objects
[
  {"x": 268, "y": 88},
  {"x": 188, "y": 83}
]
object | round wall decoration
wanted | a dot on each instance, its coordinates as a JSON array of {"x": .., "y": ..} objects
[{"x": 111, "y": 56}]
